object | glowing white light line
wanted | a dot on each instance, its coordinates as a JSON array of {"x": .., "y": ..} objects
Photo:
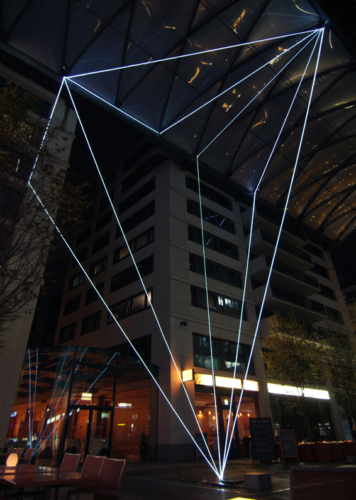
[
  {"x": 155, "y": 61},
  {"x": 212, "y": 465},
  {"x": 29, "y": 396},
  {"x": 111, "y": 105},
  {"x": 251, "y": 230},
  {"x": 64, "y": 388},
  {"x": 208, "y": 312},
  {"x": 46, "y": 129},
  {"x": 40, "y": 434},
  {"x": 34, "y": 398},
  {"x": 52, "y": 414},
  {"x": 137, "y": 270},
  {"x": 279, "y": 56},
  {"x": 259, "y": 92},
  {"x": 320, "y": 38}
]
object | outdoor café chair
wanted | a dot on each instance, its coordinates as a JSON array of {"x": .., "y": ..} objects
[
  {"x": 26, "y": 459},
  {"x": 70, "y": 462},
  {"x": 110, "y": 480},
  {"x": 92, "y": 466}
]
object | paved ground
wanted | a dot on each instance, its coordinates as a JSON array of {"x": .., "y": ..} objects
[{"x": 150, "y": 480}]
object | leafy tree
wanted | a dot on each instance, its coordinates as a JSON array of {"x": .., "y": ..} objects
[
  {"x": 25, "y": 230},
  {"x": 339, "y": 359},
  {"x": 292, "y": 358}
]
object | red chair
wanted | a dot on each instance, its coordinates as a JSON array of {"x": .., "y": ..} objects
[
  {"x": 27, "y": 456},
  {"x": 92, "y": 466},
  {"x": 111, "y": 478},
  {"x": 70, "y": 462}
]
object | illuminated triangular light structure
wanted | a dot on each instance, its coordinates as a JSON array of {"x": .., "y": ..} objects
[{"x": 315, "y": 35}]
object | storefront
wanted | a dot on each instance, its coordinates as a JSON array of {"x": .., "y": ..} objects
[{"x": 85, "y": 401}]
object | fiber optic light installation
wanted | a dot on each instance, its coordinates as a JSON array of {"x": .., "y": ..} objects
[{"x": 310, "y": 36}]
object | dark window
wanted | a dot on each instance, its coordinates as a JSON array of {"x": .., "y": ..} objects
[
  {"x": 91, "y": 323},
  {"x": 138, "y": 195},
  {"x": 104, "y": 202},
  {"x": 99, "y": 266},
  {"x": 67, "y": 333},
  {"x": 142, "y": 346},
  {"x": 75, "y": 280},
  {"x": 213, "y": 242},
  {"x": 136, "y": 155},
  {"x": 135, "y": 244},
  {"x": 217, "y": 302},
  {"x": 101, "y": 243},
  {"x": 211, "y": 216},
  {"x": 71, "y": 305},
  {"x": 215, "y": 271},
  {"x": 10, "y": 200},
  {"x": 142, "y": 171},
  {"x": 83, "y": 235},
  {"x": 81, "y": 256},
  {"x": 208, "y": 192},
  {"x": 129, "y": 275},
  {"x": 334, "y": 315},
  {"x": 88, "y": 215},
  {"x": 103, "y": 221},
  {"x": 92, "y": 296},
  {"x": 327, "y": 292},
  {"x": 224, "y": 354},
  {"x": 135, "y": 219},
  {"x": 110, "y": 177},
  {"x": 315, "y": 251},
  {"x": 129, "y": 306},
  {"x": 322, "y": 271}
]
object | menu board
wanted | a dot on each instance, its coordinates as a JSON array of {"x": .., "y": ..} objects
[
  {"x": 262, "y": 439},
  {"x": 288, "y": 444}
]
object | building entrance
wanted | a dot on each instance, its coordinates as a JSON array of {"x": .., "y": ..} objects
[{"x": 88, "y": 431}]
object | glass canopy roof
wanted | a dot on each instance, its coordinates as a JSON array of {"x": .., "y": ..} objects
[{"x": 238, "y": 73}]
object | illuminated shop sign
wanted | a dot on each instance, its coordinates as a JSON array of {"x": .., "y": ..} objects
[
  {"x": 226, "y": 382},
  {"x": 288, "y": 390},
  {"x": 124, "y": 405}
]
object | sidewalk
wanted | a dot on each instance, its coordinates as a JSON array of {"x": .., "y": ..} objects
[{"x": 188, "y": 481}]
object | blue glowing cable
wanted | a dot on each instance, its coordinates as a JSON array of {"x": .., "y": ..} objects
[
  {"x": 34, "y": 397},
  {"x": 46, "y": 130},
  {"x": 42, "y": 431},
  {"x": 208, "y": 311},
  {"x": 251, "y": 231},
  {"x": 211, "y": 464},
  {"x": 137, "y": 270},
  {"x": 29, "y": 396},
  {"x": 320, "y": 39},
  {"x": 60, "y": 396},
  {"x": 156, "y": 61},
  {"x": 279, "y": 56},
  {"x": 243, "y": 109}
]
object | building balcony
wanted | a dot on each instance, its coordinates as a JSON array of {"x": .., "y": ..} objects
[
  {"x": 283, "y": 276},
  {"x": 264, "y": 243},
  {"x": 293, "y": 236},
  {"x": 282, "y": 299}
]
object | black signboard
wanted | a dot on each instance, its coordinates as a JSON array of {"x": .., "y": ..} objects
[
  {"x": 288, "y": 444},
  {"x": 262, "y": 439}
]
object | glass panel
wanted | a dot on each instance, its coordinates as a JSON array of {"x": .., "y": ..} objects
[
  {"x": 99, "y": 433},
  {"x": 93, "y": 385},
  {"x": 76, "y": 432},
  {"x": 298, "y": 202},
  {"x": 105, "y": 52},
  {"x": 145, "y": 103},
  {"x": 82, "y": 28},
  {"x": 159, "y": 26},
  {"x": 334, "y": 230},
  {"x": 339, "y": 94},
  {"x": 11, "y": 10},
  {"x": 40, "y": 33},
  {"x": 131, "y": 422},
  {"x": 39, "y": 425}
]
